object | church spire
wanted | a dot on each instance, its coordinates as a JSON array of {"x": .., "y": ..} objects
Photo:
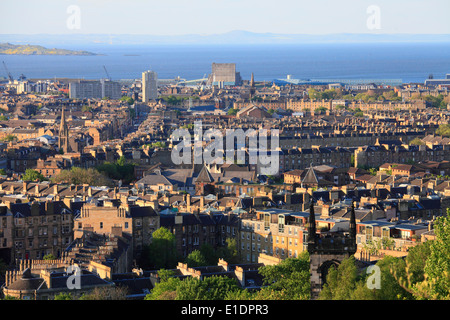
[
  {"x": 353, "y": 222},
  {"x": 311, "y": 223},
  {"x": 252, "y": 86},
  {"x": 63, "y": 138}
]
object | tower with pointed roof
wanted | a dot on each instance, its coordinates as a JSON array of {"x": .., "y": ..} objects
[
  {"x": 310, "y": 180},
  {"x": 205, "y": 183},
  {"x": 252, "y": 86},
  {"x": 63, "y": 137}
]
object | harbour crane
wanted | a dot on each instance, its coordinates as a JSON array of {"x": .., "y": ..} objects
[
  {"x": 107, "y": 74},
  {"x": 9, "y": 73}
]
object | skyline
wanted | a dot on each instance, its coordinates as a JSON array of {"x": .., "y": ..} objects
[{"x": 177, "y": 17}]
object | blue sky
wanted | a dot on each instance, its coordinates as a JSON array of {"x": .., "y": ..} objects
[{"x": 177, "y": 17}]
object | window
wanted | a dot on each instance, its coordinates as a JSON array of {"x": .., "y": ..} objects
[
  {"x": 101, "y": 225},
  {"x": 281, "y": 223},
  {"x": 266, "y": 221},
  {"x": 126, "y": 225}
]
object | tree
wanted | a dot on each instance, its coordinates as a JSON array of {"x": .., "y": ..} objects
[
  {"x": 119, "y": 170},
  {"x": 78, "y": 176},
  {"x": 63, "y": 296},
  {"x": 195, "y": 259},
  {"x": 166, "y": 289},
  {"x": 340, "y": 281},
  {"x": 9, "y": 138},
  {"x": 437, "y": 265},
  {"x": 106, "y": 293},
  {"x": 443, "y": 130},
  {"x": 230, "y": 251},
  {"x": 232, "y": 112},
  {"x": 288, "y": 280},
  {"x": 162, "y": 251},
  {"x": 433, "y": 257},
  {"x": 389, "y": 287},
  {"x": 32, "y": 175},
  {"x": 210, "y": 288},
  {"x": 416, "y": 142},
  {"x": 128, "y": 100},
  {"x": 209, "y": 253},
  {"x": 373, "y": 171},
  {"x": 49, "y": 257}
]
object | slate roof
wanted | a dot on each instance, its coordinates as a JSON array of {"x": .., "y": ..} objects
[{"x": 204, "y": 176}]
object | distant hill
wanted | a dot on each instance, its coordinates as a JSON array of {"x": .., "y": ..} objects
[
  {"x": 236, "y": 37},
  {"x": 27, "y": 49}
]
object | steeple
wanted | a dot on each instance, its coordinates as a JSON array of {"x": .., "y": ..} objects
[
  {"x": 311, "y": 223},
  {"x": 353, "y": 222},
  {"x": 63, "y": 138},
  {"x": 252, "y": 86}
]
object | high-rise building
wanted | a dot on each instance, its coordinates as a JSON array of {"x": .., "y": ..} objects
[
  {"x": 149, "y": 86},
  {"x": 111, "y": 89},
  {"x": 225, "y": 74},
  {"x": 84, "y": 89}
]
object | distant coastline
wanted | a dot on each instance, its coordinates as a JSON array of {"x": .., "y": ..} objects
[
  {"x": 27, "y": 49},
  {"x": 236, "y": 37}
]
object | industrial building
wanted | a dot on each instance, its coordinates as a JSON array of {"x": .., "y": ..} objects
[
  {"x": 224, "y": 74},
  {"x": 436, "y": 82}
]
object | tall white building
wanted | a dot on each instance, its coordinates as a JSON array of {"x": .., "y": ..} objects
[
  {"x": 93, "y": 89},
  {"x": 149, "y": 86}
]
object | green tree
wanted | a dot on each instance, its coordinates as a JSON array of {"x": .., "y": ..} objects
[
  {"x": 443, "y": 130},
  {"x": 416, "y": 142},
  {"x": 210, "y": 288},
  {"x": 78, "y": 176},
  {"x": 195, "y": 259},
  {"x": 341, "y": 282},
  {"x": 9, "y": 138},
  {"x": 230, "y": 252},
  {"x": 128, "y": 100},
  {"x": 162, "y": 252},
  {"x": 86, "y": 108},
  {"x": 63, "y": 296},
  {"x": 389, "y": 287},
  {"x": 433, "y": 257},
  {"x": 166, "y": 289},
  {"x": 32, "y": 175},
  {"x": 232, "y": 112},
  {"x": 209, "y": 253},
  {"x": 437, "y": 265},
  {"x": 119, "y": 170},
  {"x": 106, "y": 293},
  {"x": 49, "y": 257},
  {"x": 288, "y": 280}
]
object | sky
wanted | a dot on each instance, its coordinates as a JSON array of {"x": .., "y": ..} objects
[{"x": 178, "y": 17}]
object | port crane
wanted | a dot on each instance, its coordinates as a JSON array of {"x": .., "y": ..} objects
[
  {"x": 9, "y": 73},
  {"x": 107, "y": 74}
]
